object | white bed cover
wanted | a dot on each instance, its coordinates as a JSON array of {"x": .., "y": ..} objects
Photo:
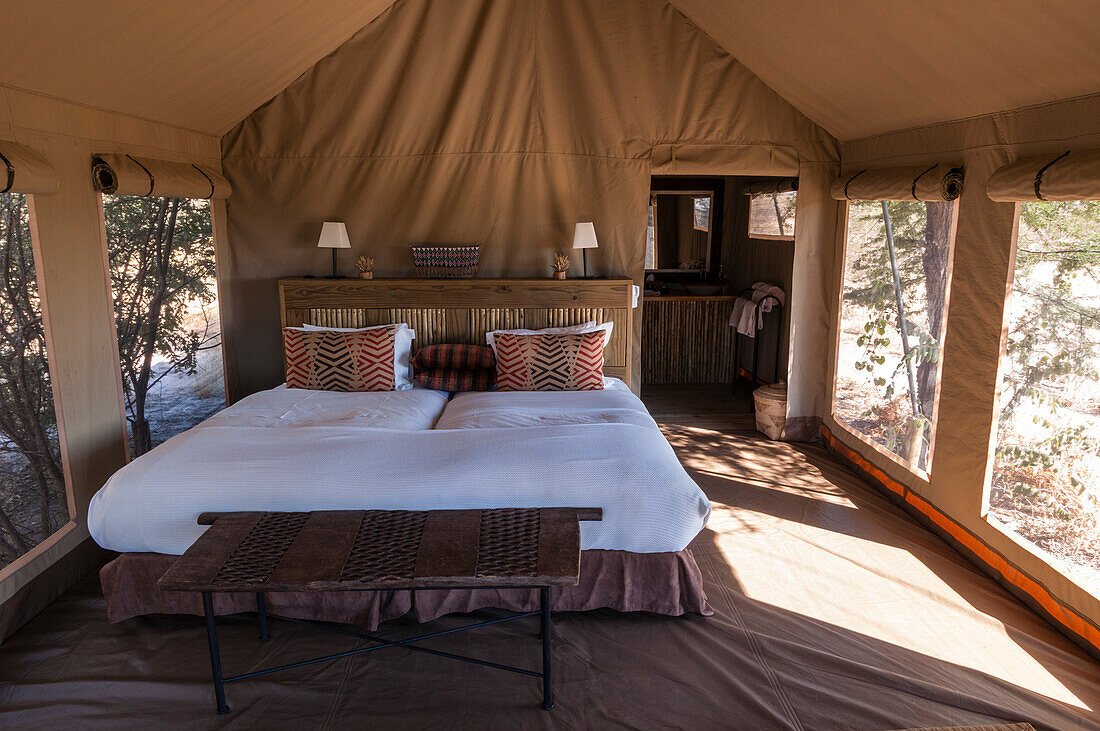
[
  {"x": 237, "y": 461},
  {"x": 616, "y": 404},
  {"x": 282, "y": 408}
]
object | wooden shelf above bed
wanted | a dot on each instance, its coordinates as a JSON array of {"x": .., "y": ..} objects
[
  {"x": 383, "y": 292},
  {"x": 463, "y": 310}
]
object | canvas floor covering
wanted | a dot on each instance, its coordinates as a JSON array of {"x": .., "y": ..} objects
[{"x": 832, "y": 610}]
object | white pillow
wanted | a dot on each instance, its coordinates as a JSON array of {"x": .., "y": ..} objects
[
  {"x": 402, "y": 350},
  {"x": 584, "y": 327}
]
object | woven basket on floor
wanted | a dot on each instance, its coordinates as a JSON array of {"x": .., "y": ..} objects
[{"x": 771, "y": 409}]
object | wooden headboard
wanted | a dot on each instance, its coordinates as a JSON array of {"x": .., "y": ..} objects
[{"x": 463, "y": 310}]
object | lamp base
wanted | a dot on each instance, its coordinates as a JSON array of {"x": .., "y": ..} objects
[
  {"x": 584, "y": 258},
  {"x": 334, "y": 274}
]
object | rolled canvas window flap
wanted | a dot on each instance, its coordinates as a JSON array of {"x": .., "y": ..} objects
[
  {"x": 145, "y": 176},
  {"x": 1071, "y": 175},
  {"x": 916, "y": 183},
  {"x": 767, "y": 187},
  {"x": 22, "y": 170}
]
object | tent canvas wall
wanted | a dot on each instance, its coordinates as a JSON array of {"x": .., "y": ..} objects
[{"x": 587, "y": 100}]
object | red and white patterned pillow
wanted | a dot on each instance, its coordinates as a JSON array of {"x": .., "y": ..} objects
[
  {"x": 545, "y": 362},
  {"x": 331, "y": 360}
]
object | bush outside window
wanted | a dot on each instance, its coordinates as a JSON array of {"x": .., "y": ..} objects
[
  {"x": 161, "y": 257},
  {"x": 1046, "y": 472},
  {"x": 892, "y": 322},
  {"x": 34, "y": 503}
]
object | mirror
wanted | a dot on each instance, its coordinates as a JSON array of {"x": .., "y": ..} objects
[{"x": 678, "y": 237}]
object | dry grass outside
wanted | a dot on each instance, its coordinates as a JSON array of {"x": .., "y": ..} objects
[
  {"x": 887, "y": 424},
  {"x": 208, "y": 379},
  {"x": 179, "y": 400},
  {"x": 859, "y": 403},
  {"x": 1045, "y": 508},
  {"x": 1042, "y": 506}
]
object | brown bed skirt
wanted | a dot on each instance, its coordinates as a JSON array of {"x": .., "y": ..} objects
[{"x": 661, "y": 583}]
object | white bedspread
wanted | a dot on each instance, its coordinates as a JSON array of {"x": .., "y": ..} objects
[
  {"x": 300, "y": 450},
  {"x": 282, "y": 407},
  {"x": 650, "y": 504},
  {"x": 615, "y": 404}
]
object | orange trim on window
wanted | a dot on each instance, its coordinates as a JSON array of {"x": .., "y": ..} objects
[
  {"x": 1057, "y": 612},
  {"x": 858, "y": 460}
]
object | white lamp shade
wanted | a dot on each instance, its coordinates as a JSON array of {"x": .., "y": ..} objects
[
  {"x": 334, "y": 235},
  {"x": 584, "y": 236}
]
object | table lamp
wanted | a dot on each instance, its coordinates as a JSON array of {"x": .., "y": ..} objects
[
  {"x": 584, "y": 238},
  {"x": 334, "y": 235}
]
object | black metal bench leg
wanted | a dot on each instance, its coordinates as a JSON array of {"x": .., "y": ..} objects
[
  {"x": 547, "y": 693},
  {"x": 215, "y": 656},
  {"x": 261, "y": 610}
]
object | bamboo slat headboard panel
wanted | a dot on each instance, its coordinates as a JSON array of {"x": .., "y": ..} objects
[{"x": 463, "y": 310}]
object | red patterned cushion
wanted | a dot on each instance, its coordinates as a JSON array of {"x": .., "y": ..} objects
[
  {"x": 329, "y": 360},
  {"x": 464, "y": 357},
  {"x": 454, "y": 379},
  {"x": 545, "y": 362}
]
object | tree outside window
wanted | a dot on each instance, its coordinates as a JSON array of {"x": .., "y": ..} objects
[
  {"x": 33, "y": 499},
  {"x": 771, "y": 215},
  {"x": 1046, "y": 473},
  {"x": 892, "y": 323},
  {"x": 161, "y": 257}
]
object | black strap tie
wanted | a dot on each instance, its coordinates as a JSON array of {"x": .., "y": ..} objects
[
  {"x": 916, "y": 180},
  {"x": 11, "y": 173},
  {"x": 1039, "y": 175},
  {"x": 208, "y": 179},
  {"x": 861, "y": 172},
  {"x": 152, "y": 181}
]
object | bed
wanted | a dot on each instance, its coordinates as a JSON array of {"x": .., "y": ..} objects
[
  {"x": 616, "y": 404},
  {"x": 287, "y": 408},
  {"x": 290, "y": 449}
]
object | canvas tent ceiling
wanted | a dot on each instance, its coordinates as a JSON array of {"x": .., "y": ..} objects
[
  {"x": 866, "y": 66},
  {"x": 856, "y": 69},
  {"x": 202, "y": 65}
]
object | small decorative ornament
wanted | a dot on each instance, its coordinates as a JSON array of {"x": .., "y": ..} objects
[
  {"x": 365, "y": 265},
  {"x": 445, "y": 261},
  {"x": 561, "y": 266}
]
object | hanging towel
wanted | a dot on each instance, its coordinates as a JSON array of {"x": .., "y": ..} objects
[
  {"x": 766, "y": 288},
  {"x": 760, "y": 291},
  {"x": 743, "y": 316}
]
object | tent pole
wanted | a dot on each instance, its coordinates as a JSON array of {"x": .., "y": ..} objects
[{"x": 903, "y": 326}]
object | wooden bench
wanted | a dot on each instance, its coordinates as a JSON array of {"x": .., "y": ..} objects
[{"x": 376, "y": 550}]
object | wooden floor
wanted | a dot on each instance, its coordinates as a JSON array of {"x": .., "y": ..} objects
[
  {"x": 713, "y": 404},
  {"x": 832, "y": 610}
]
